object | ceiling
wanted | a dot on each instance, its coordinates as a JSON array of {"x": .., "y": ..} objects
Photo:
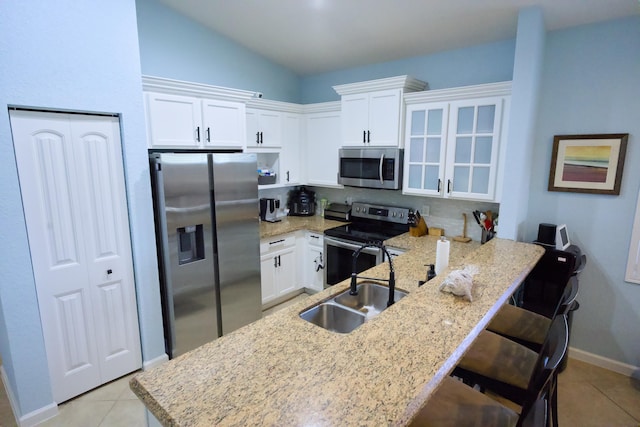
[{"x": 315, "y": 36}]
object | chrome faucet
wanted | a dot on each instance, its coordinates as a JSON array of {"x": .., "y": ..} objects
[{"x": 354, "y": 274}]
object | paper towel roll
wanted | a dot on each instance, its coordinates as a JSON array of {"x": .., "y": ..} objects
[{"x": 442, "y": 254}]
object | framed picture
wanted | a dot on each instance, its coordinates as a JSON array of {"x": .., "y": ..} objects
[{"x": 588, "y": 163}]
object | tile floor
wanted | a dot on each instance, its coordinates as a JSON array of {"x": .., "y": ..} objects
[{"x": 588, "y": 396}]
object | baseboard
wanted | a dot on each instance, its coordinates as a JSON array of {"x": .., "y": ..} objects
[
  {"x": 32, "y": 418},
  {"x": 148, "y": 364},
  {"x": 603, "y": 362}
]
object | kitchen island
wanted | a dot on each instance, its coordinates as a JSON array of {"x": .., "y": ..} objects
[{"x": 282, "y": 370}]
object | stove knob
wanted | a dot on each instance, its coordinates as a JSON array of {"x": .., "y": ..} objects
[
  {"x": 394, "y": 214},
  {"x": 401, "y": 215}
]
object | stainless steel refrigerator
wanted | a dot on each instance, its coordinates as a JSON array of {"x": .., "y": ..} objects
[{"x": 208, "y": 244}]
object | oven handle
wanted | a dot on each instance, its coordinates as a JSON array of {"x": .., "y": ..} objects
[
  {"x": 354, "y": 247},
  {"x": 380, "y": 168}
]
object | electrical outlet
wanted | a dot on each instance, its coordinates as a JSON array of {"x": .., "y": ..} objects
[{"x": 425, "y": 210}]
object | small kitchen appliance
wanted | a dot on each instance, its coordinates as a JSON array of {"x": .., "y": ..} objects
[
  {"x": 338, "y": 211},
  {"x": 269, "y": 209},
  {"x": 302, "y": 202}
]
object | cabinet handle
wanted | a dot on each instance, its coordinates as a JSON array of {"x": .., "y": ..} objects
[
  {"x": 275, "y": 262},
  {"x": 449, "y": 186},
  {"x": 369, "y": 136},
  {"x": 439, "y": 184},
  {"x": 275, "y": 242},
  {"x": 257, "y": 137},
  {"x": 287, "y": 176},
  {"x": 364, "y": 136},
  {"x": 279, "y": 263},
  {"x": 208, "y": 134},
  {"x": 198, "y": 134},
  {"x": 261, "y": 141}
]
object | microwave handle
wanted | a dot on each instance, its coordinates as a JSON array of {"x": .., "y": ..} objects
[{"x": 380, "y": 169}]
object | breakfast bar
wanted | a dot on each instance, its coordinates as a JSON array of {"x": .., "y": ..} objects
[{"x": 283, "y": 370}]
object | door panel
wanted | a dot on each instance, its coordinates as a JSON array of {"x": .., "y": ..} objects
[{"x": 76, "y": 218}]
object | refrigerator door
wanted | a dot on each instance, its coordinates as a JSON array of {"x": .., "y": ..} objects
[
  {"x": 235, "y": 187},
  {"x": 183, "y": 215}
]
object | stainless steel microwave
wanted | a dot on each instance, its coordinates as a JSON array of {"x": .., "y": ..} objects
[{"x": 379, "y": 167}]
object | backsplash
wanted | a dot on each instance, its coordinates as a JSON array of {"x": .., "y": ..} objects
[{"x": 443, "y": 213}]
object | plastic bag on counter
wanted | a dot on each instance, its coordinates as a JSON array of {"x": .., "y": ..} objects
[{"x": 460, "y": 282}]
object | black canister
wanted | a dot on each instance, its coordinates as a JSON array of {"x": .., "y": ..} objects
[{"x": 302, "y": 202}]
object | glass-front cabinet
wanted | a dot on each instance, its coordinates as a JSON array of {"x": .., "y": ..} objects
[{"x": 453, "y": 147}]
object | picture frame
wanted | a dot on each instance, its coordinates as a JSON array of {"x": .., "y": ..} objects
[{"x": 588, "y": 163}]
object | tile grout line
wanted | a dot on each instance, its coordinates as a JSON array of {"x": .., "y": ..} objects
[{"x": 612, "y": 401}]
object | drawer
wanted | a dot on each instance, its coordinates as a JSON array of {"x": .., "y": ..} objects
[{"x": 277, "y": 242}]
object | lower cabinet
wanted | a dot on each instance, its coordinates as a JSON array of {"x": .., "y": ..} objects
[
  {"x": 290, "y": 262},
  {"x": 278, "y": 266},
  {"x": 314, "y": 261}
]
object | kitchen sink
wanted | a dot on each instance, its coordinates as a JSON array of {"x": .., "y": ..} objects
[
  {"x": 371, "y": 299},
  {"x": 344, "y": 313},
  {"x": 333, "y": 317}
]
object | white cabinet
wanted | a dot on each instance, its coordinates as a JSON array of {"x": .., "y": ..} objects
[
  {"x": 372, "y": 119},
  {"x": 452, "y": 141},
  {"x": 323, "y": 141},
  {"x": 177, "y": 121},
  {"x": 314, "y": 261},
  {"x": 264, "y": 128},
  {"x": 278, "y": 266},
  {"x": 291, "y": 152},
  {"x": 372, "y": 112}
]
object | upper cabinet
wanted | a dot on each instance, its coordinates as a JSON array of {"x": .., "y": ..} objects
[
  {"x": 190, "y": 115},
  {"x": 322, "y": 126},
  {"x": 372, "y": 111},
  {"x": 453, "y": 141},
  {"x": 264, "y": 128}
]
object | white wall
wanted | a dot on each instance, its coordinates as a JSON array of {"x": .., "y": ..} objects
[
  {"x": 73, "y": 56},
  {"x": 590, "y": 84}
]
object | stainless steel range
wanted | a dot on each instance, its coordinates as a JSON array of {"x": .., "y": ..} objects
[{"x": 369, "y": 223}]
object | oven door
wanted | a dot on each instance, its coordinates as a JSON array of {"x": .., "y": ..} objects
[{"x": 338, "y": 255}]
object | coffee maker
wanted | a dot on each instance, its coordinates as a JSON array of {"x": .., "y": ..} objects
[{"x": 269, "y": 209}]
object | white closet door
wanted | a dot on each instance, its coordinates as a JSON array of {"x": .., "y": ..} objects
[{"x": 72, "y": 185}]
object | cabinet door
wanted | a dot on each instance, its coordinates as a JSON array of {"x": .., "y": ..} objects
[
  {"x": 472, "y": 153},
  {"x": 355, "y": 115},
  {"x": 264, "y": 128},
  {"x": 223, "y": 123},
  {"x": 290, "y": 157},
  {"x": 323, "y": 142},
  {"x": 425, "y": 149},
  {"x": 174, "y": 121},
  {"x": 314, "y": 274},
  {"x": 384, "y": 118},
  {"x": 268, "y": 267},
  {"x": 286, "y": 272}
]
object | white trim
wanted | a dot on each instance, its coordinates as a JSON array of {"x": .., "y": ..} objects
[
  {"x": 407, "y": 83},
  {"x": 603, "y": 362},
  {"x": 148, "y": 364},
  {"x": 268, "y": 104},
  {"x": 459, "y": 93},
  {"x": 633, "y": 262},
  {"x": 180, "y": 87},
  {"x": 321, "y": 107}
]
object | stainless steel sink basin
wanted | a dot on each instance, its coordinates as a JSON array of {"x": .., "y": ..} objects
[
  {"x": 333, "y": 317},
  {"x": 343, "y": 313},
  {"x": 371, "y": 299}
]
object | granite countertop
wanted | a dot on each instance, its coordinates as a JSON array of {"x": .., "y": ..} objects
[
  {"x": 290, "y": 224},
  {"x": 282, "y": 370}
]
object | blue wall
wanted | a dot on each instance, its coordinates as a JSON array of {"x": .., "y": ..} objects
[
  {"x": 590, "y": 84},
  {"x": 77, "y": 56},
  {"x": 177, "y": 47},
  {"x": 486, "y": 63}
]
